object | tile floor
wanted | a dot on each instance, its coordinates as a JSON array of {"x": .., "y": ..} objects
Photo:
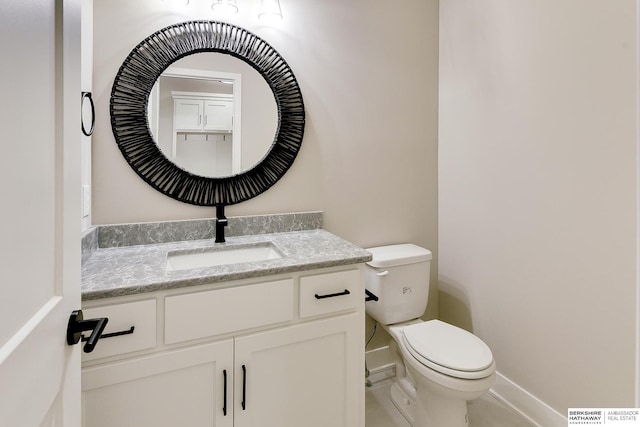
[{"x": 484, "y": 412}]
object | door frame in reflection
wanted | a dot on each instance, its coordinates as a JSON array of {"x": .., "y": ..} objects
[{"x": 154, "y": 106}]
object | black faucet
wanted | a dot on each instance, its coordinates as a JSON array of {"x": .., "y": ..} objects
[{"x": 221, "y": 223}]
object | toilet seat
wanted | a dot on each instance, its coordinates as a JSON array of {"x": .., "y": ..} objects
[{"x": 448, "y": 349}]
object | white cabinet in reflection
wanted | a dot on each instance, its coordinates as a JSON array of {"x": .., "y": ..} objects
[
  {"x": 218, "y": 115},
  {"x": 203, "y": 132},
  {"x": 187, "y": 115},
  {"x": 202, "y": 112}
]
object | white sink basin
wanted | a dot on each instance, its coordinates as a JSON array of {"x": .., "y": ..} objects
[{"x": 225, "y": 255}]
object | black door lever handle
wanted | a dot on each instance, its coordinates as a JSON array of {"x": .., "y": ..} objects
[{"x": 77, "y": 325}]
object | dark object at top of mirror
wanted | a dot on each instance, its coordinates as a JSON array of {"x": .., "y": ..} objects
[{"x": 129, "y": 118}]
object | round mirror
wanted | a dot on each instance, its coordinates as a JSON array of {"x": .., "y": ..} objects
[{"x": 210, "y": 115}]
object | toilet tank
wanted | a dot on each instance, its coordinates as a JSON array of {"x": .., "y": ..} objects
[{"x": 399, "y": 276}]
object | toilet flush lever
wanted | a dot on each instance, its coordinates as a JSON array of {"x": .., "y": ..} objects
[
  {"x": 382, "y": 273},
  {"x": 370, "y": 296}
]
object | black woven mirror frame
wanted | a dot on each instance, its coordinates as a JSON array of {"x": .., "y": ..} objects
[{"x": 130, "y": 96}]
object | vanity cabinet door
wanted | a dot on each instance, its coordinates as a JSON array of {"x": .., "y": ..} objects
[
  {"x": 176, "y": 388},
  {"x": 307, "y": 375}
]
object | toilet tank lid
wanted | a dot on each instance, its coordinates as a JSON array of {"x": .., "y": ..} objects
[{"x": 394, "y": 255}]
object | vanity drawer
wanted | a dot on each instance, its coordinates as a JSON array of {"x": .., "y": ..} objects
[
  {"x": 141, "y": 315},
  {"x": 330, "y": 292},
  {"x": 221, "y": 311}
]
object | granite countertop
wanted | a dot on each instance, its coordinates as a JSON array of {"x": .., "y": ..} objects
[{"x": 127, "y": 270}]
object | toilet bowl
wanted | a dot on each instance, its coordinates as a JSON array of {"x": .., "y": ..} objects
[
  {"x": 432, "y": 392},
  {"x": 439, "y": 367}
]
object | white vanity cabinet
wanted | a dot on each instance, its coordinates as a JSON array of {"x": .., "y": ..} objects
[{"x": 285, "y": 351}]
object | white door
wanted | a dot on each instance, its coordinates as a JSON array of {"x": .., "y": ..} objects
[{"x": 40, "y": 215}]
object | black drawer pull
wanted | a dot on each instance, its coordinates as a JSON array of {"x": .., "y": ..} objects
[
  {"x": 244, "y": 388},
  {"x": 224, "y": 393},
  {"x": 113, "y": 334},
  {"x": 338, "y": 294}
]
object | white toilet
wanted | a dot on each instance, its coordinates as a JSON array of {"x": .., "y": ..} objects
[{"x": 439, "y": 367}]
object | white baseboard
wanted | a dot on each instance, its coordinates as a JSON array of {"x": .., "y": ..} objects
[{"x": 524, "y": 403}]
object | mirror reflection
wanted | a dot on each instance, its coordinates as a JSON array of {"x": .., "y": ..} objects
[{"x": 212, "y": 115}]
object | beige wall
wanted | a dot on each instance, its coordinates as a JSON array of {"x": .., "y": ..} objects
[
  {"x": 368, "y": 76},
  {"x": 538, "y": 191}
]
